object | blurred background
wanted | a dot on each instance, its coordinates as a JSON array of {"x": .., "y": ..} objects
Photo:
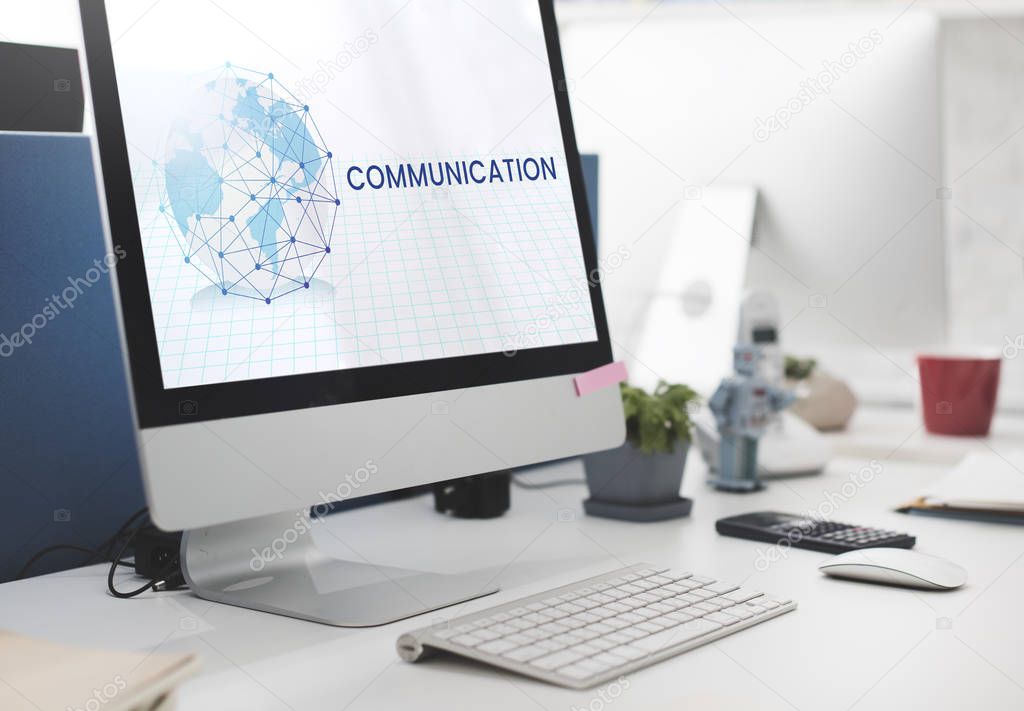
[{"x": 884, "y": 142}]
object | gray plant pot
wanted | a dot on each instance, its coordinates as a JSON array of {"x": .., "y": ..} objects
[{"x": 627, "y": 484}]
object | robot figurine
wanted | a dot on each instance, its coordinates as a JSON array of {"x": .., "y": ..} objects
[{"x": 742, "y": 406}]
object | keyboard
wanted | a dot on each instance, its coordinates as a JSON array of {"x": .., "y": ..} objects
[{"x": 594, "y": 631}]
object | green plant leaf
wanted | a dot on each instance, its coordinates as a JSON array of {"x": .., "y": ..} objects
[{"x": 656, "y": 422}]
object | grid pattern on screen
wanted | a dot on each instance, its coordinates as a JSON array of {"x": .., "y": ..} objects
[{"x": 416, "y": 274}]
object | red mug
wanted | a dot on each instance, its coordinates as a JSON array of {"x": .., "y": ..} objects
[{"x": 958, "y": 393}]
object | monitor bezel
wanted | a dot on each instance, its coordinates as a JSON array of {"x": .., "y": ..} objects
[{"x": 157, "y": 406}]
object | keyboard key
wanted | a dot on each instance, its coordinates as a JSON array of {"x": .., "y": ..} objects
[
  {"x": 549, "y": 645},
  {"x": 612, "y": 660},
  {"x": 620, "y": 637},
  {"x": 525, "y": 654},
  {"x": 567, "y": 640},
  {"x": 570, "y": 608},
  {"x": 556, "y": 660},
  {"x": 577, "y": 671},
  {"x": 498, "y": 646},
  {"x": 521, "y": 639},
  {"x": 721, "y": 618},
  {"x": 466, "y": 640},
  {"x": 662, "y": 622},
  {"x": 628, "y": 653},
  {"x": 586, "y": 649},
  {"x": 741, "y": 595},
  {"x": 720, "y": 588},
  {"x": 553, "y": 628},
  {"x": 503, "y": 629},
  {"x": 675, "y": 635}
]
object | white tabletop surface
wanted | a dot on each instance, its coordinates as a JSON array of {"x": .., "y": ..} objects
[{"x": 848, "y": 645}]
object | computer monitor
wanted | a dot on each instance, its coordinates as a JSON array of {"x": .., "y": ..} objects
[{"x": 355, "y": 256}]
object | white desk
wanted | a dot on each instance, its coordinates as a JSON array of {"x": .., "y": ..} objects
[{"x": 847, "y": 645}]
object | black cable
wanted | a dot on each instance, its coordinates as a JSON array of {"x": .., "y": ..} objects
[
  {"x": 120, "y": 541},
  {"x": 159, "y": 583},
  {"x": 93, "y": 553},
  {"x": 546, "y": 484}
]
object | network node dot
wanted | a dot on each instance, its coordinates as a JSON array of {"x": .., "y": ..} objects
[
  {"x": 252, "y": 197},
  {"x": 231, "y": 218},
  {"x": 273, "y": 181},
  {"x": 298, "y": 199},
  {"x": 161, "y": 208},
  {"x": 306, "y": 107},
  {"x": 329, "y": 154},
  {"x": 224, "y": 292},
  {"x": 293, "y": 239},
  {"x": 187, "y": 260},
  {"x": 270, "y": 76},
  {"x": 337, "y": 201},
  {"x": 306, "y": 285},
  {"x": 327, "y": 250},
  {"x": 268, "y": 300},
  {"x": 220, "y": 254},
  {"x": 258, "y": 267},
  {"x": 259, "y": 154}
]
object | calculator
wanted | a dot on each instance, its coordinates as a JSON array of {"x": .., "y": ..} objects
[{"x": 812, "y": 534}]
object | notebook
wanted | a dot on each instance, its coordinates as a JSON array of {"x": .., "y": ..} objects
[
  {"x": 44, "y": 676},
  {"x": 984, "y": 486}
]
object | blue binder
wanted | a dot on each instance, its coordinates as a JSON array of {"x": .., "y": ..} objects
[{"x": 69, "y": 471}]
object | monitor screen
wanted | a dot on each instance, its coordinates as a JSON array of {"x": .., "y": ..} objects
[{"x": 325, "y": 186}]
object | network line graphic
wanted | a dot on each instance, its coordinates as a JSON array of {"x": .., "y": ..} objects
[{"x": 249, "y": 188}]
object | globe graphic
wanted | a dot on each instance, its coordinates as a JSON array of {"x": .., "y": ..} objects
[{"x": 249, "y": 186}]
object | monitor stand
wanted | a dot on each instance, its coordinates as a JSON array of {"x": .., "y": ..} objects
[{"x": 272, "y": 564}]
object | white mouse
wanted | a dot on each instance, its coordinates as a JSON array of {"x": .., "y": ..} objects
[{"x": 896, "y": 566}]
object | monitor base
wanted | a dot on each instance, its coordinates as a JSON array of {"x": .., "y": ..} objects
[{"x": 272, "y": 564}]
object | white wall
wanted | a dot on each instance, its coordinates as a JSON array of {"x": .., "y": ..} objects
[
  {"x": 983, "y": 106},
  {"x": 53, "y": 22}
]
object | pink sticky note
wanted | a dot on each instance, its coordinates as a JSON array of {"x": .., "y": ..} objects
[{"x": 598, "y": 378}]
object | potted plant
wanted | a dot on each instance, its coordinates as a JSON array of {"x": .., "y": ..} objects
[{"x": 640, "y": 480}]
